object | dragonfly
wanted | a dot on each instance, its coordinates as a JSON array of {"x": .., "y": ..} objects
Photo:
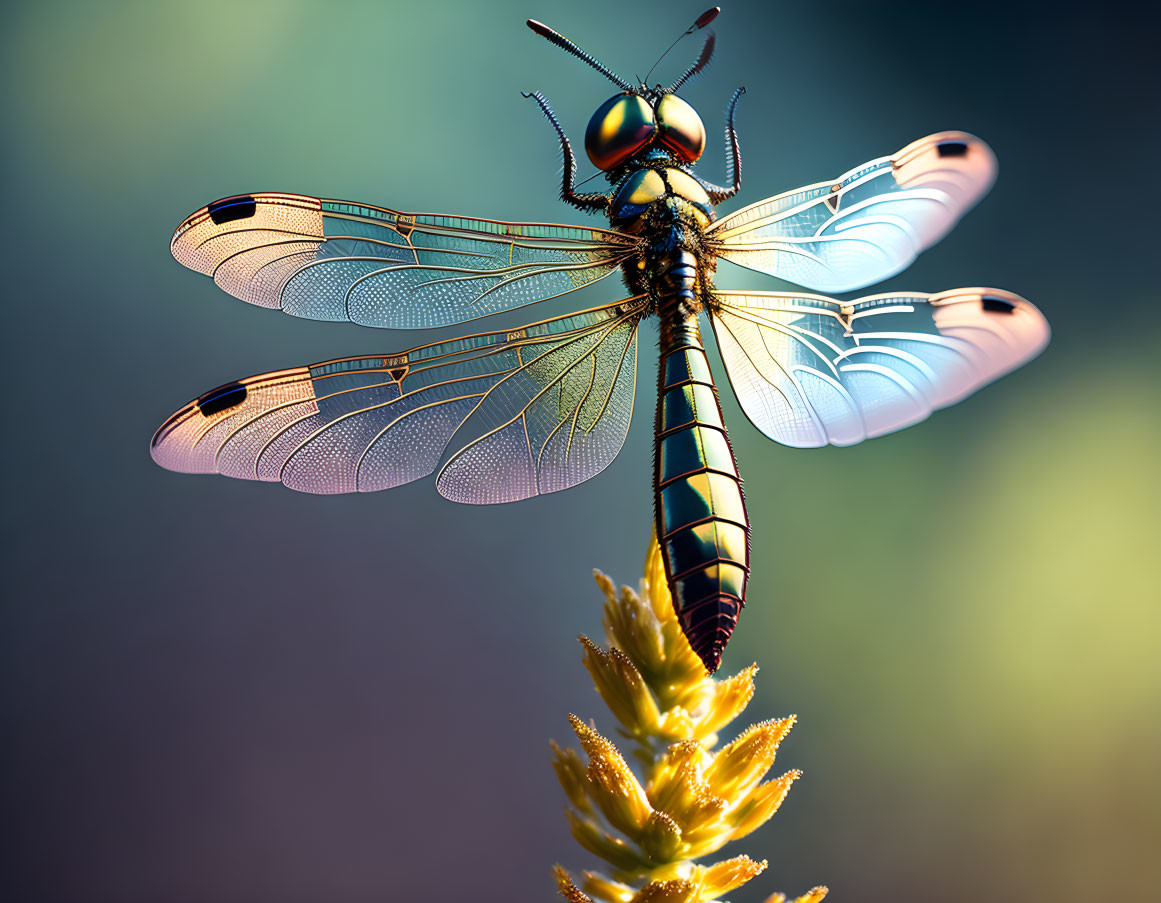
[{"x": 540, "y": 408}]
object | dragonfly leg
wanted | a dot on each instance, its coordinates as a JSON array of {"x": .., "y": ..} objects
[
  {"x": 734, "y": 166},
  {"x": 568, "y": 194}
]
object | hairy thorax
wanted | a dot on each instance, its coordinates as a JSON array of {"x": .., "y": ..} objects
[{"x": 669, "y": 210}]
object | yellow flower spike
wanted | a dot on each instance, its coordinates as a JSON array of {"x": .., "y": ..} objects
[
  {"x": 606, "y": 889},
  {"x": 688, "y": 801},
  {"x": 570, "y": 772},
  {"x": 615, "y": 788},
  {"x": 732, "y": 873},
  {"x": 762, "y": 803},
  {"x": 743, "y": 763},
  {"x": 620, "y": 685}
]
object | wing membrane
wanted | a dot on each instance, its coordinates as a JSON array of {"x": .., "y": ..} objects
[
  {"x": 809, "y": 371},
  {"x": 369, "y": 423},
  {"x": 332, "y": 260},
  {"x": 574, "y": 403},
  {"x": 866, "y": 225}
]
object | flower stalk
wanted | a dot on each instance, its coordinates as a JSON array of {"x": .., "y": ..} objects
[{"x": 694, "y": 797}]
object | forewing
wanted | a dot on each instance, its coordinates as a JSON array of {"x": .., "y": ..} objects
[
  {"x": 369, "y": 423},
  {"x": 809, "y": 371},
  {"x": 332, "y": 260},
  {"x": 866, "y": 225}
]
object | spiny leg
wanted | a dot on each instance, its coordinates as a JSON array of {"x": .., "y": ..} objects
[
  {"x": 734, "y": 155},
  {"x": 568, "y": 194}
]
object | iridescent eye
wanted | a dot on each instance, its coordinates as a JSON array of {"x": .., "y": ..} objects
[
  {"x": 620, "y": 127},
  {"x": 680, "y": 128}
]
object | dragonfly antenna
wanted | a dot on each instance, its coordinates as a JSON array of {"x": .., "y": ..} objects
[
  {"x": 700, "y": 22},
  {"x": 589, "y": 179},
  {"x": 565, "y": 44}
]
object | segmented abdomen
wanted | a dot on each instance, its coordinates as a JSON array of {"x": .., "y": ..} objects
[{"x": 699, "y": 508}]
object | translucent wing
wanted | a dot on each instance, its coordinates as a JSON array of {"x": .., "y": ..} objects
[
  {"x": 553, "y": 399},
  {"x": 810, "y": 371},
  {"x": 331, "y": 260},
  {"x": 866, "y": 225}
]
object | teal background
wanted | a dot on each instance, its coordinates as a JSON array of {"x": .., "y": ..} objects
[{"x": 224, "y": 691}]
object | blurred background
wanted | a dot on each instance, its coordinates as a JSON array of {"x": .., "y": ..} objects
[{"x": 225, "y": 691}]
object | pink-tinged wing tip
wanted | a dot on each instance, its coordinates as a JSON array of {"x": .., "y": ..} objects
[
  {"x": 192, "y": 439},
  {"x": 1005, "y": 330},
  {"x": 956, "y": 161},
  {"x": 238, "y": 239}
]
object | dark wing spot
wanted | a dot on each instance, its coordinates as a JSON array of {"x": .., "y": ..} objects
[
  {"x": 221, "y": 399},
  {"x": 952, "y": 149},
  {"x": 997, "y": 305},
  {"x": 241, "y": 206}
]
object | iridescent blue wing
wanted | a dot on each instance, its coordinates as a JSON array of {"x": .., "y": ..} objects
[
  {"x": 809, "y": 371},
  {"x": 332, "y": 260},
  {"x": 866, "y": 225},
  {"x": 550, "y": 404}
]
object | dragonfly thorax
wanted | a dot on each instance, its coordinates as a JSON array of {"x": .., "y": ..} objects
[{"x": 663, "y": 191}]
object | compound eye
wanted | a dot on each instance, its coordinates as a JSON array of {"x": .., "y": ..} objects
[
  {"x": 680, "y": 128},
  {"x": 620, "y": 127}
]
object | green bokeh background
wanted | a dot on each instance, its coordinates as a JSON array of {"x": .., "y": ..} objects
[{"x": 223, "y": 691}]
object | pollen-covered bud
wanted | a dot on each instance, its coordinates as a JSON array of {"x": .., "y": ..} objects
[
  {"x": 620, "y": 685},
  {"x": 761, "y": 804},
  {"x": 615, "y": 788},
  {"x": 567, "y": 889},
  {"x": 613, "y": 850},
  {"x": 741, "y": 764},
  {"x": 676, "y": 890},
  {"x": 726, "y": 876},
  {"x": 661, "y": 837},
  {"x": 570, "y": 772},
  {"x": 680, "y": 789},
  {"x": 628, "y": 618}
]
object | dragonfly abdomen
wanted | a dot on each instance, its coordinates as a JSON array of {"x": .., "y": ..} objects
[{"x": 699, "y": 507}]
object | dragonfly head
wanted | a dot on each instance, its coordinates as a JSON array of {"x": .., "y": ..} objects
[
  {"x": 628, "y": 123},
  {"x": 642, "y": 117}
]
